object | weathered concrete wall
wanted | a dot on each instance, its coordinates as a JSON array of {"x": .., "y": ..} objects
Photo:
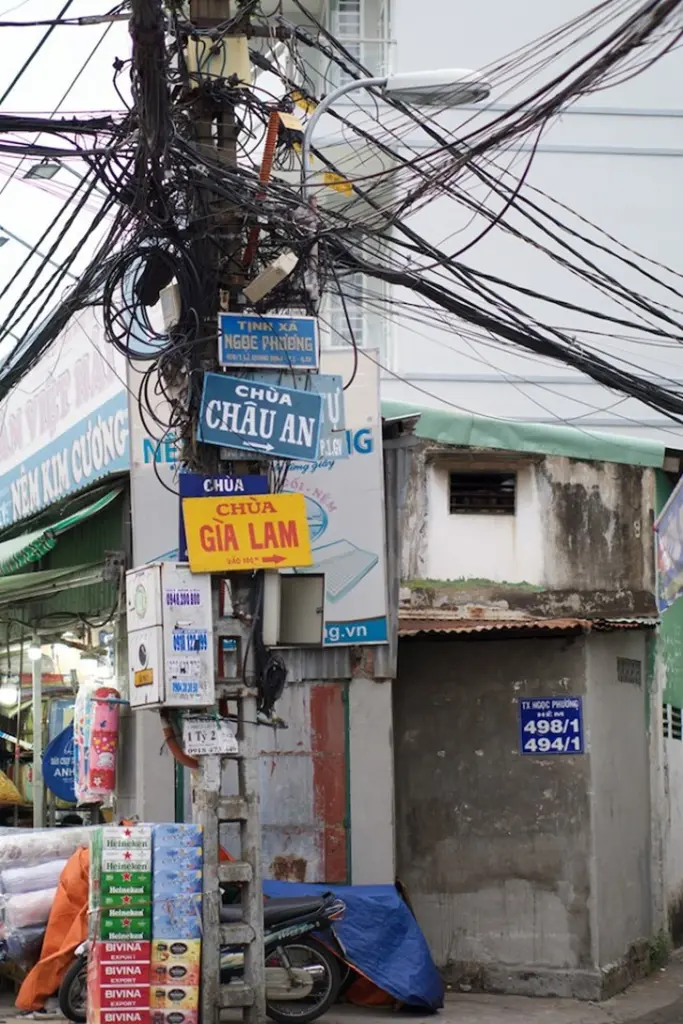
[
  {"x": 620, "y": 785},
  {"x": 500, "y": 548},
  {"x": 580, "y": 543},
  {"x": 494, "y": 847},
  {"x": 598, "y": 532}
]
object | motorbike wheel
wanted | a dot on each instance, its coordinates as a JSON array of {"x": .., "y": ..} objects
[
  {"x": 325, "y": 988},
  {"x": 73, "y": 992}
]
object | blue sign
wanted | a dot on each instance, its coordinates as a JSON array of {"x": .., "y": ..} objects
[
  {"x": 194, "y": 485},
  {"x": 331, "y": 387},
  {"x": 551, "y": 725},
  {"x": 263, "y": 419},
  {"x": 669, "y": 533},
  {"x": 93, "y": 448},
  {"x": 268, "y": 342},
  {"x": 58, "y": 766}
]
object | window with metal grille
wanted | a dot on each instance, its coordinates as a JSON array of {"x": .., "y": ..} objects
[
  {"x": 345, "y": 19},
  {"x": 629, "y": 671},
  {"x": 339, "y": 318},
  {"x": 672, "y": 722},
  {"x": 490, "y": 494}
]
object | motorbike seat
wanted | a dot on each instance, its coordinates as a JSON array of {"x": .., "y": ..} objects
[{"x": 277, "y": 911}]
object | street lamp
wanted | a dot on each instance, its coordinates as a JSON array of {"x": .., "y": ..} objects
[{"x": 450, "y": 87}]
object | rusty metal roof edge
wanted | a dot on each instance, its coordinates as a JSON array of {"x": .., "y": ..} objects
[{"x": 415, "y": 626}]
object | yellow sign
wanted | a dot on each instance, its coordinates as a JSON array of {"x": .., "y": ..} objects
[
  {"x": 338, "y": 183},
  {"x": 291, "y": 121},
  {"x": 143, "y": 677},
  {"x": 264, "y": 531}
]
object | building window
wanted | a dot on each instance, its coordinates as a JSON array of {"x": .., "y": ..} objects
[
  {"x": 363, "y": 27},
  {"x": 629, "y": 671},
  {"x": 672, "y": 722},
  {"x": 488, "y": 494},
  {"x": 345, "y": 315}
]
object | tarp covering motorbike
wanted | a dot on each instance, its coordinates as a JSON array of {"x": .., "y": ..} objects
[{"x": 381, "y": 939}]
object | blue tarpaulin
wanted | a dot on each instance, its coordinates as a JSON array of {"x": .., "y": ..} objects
[{"x": 381, "y": 938}]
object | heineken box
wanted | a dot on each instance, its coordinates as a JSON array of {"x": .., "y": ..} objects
[
  {"x": 126, "y": 889},
  {"x": 122, "y": 928}
]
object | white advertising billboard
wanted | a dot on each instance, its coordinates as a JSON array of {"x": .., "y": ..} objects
[
  {"x": 345, "y": 506},
  {"x": 65, "y": 425}
]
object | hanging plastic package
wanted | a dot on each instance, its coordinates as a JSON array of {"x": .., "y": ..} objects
[
  {"x": 84, "y": 710},
  {"x": 104, "y": 739}
]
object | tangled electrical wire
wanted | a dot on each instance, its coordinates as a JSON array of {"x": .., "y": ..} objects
[{"x": 165, "y": 185}]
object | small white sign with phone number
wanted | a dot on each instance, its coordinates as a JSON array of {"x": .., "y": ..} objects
[{"x": 204, "y": 736}]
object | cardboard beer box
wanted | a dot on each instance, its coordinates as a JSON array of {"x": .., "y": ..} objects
[
  {"x": 124, "y": 997},
  {"x": 130, "y": 973},
  {"x": 179, "y": 858},
  {"x": 175, "y": 973},
  {"x": 124, "y": 1016},
  {"x": 122, "y": 837},
  {"x": 125, "y": 952},
  {"x": 174, "y": 1017},
  {"x": 175, "y": 955},
  {"x": 124, "y": 928},
  {"x": 177, "y": 883},
  {"x": 178, "y": 918},
  {"x": 170, "y": 997},
  {"x": 177, "y": 836}
]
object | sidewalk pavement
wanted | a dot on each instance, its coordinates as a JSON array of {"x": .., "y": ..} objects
[{"x": 657, "y": 1000}]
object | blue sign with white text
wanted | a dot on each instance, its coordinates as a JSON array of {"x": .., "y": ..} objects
[
  {"x": 264, "y": 419},
  {"x": 551, "y": 726},
  {"x": 268, "y": 342},
  {"x": 331, "y": 388},
  {"x": 195, "y": 485},
  {"x": 58, "y": 766}
]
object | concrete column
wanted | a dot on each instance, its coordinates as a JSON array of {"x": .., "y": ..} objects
[{"x": 371, "y": 755}]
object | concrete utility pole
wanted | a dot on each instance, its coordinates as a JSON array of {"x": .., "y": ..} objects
[
  {"x": 217, "y": 261},
  {"x": 216, "y": 133}
]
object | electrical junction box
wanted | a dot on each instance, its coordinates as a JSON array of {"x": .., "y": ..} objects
[{"x": 170, "y": 637}]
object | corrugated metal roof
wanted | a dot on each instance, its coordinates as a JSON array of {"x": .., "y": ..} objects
[
  {"x": 450, "y": 426},
  {"x": 409, "y": 626}
]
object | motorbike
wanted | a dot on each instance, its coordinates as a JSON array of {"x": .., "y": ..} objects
[{"x": 304, "y": 975}]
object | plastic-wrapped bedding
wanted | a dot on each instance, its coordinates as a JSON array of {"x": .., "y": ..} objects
[
  {"x": 23, "y": 946},
  {"x": 26, "y": 909},
  {"x": 26, "y": 848},
  {"x": 32, "y": 879}
]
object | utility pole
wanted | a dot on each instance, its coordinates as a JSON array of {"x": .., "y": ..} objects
[
  {"x": 215, "y": 128},
  {"x": 216, "y": 255}
]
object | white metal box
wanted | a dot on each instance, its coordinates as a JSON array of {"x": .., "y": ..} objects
[{"x": 170, "y": 637}]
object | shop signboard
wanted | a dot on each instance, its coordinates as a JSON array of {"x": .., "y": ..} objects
[
  {"x": 65, "y": 424},
  {"x": 197, "y": 485},
  {"x": 58, "y": 765},
  {"x": 262, "y": 419},
  {"x": 269, "y": 342},
  {"x": 261, "y": 531}
]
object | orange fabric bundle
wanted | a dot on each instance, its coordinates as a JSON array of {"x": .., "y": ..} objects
[{"x": 66, "y": 929}]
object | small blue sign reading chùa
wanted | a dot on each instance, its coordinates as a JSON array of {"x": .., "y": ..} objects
[
  {"x": 551, "y": 726},
  {"x": 268, "y": 342},
  {"x": 196, "y": 485},
  {"x": 263, "y": 419}
]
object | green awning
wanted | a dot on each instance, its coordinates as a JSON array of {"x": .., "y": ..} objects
[
  {"x": 17, "y": 553},
  {"x": 29, "y": 586}
]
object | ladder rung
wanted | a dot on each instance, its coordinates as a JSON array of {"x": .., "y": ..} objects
[
  {"x": 232, "y": 691},
  {"x": 235, "y": 871},
  {"x": 237, "y": 993},
  {"x": 233, "y": 808},
  {"x": 237, "y": 934}
]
